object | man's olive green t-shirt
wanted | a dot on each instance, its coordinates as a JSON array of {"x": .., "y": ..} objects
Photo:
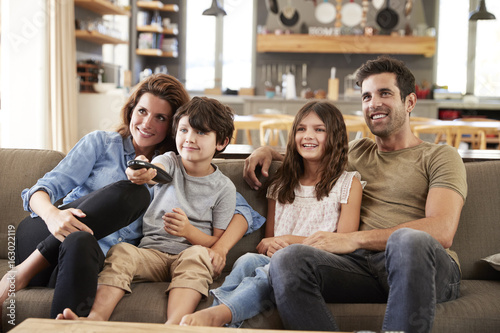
[{"x": 398, "y": 182}]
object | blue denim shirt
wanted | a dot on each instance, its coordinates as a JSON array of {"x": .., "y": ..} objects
[
  {"x": 98, "y": 159},
  {"x": 254, "y": 219}
]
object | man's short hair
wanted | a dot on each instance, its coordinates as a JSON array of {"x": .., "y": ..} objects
[{"x": 405, "y": 80}]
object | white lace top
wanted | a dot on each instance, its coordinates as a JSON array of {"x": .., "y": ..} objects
[{"x": 306, "y": 215}]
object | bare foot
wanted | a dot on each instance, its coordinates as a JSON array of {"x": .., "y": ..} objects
[
  {"x": 215, "y": 316},
  {"x": 10, "y": 283},
  {"x": 68, "y": 314}
]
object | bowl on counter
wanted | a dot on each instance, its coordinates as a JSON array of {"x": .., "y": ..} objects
[{"x": 104, "y": 87}]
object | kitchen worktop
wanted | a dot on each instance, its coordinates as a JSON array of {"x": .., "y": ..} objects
[
  {"x": 351, "y": 105},
  {"x": 482, "y": 104},
  {"x": 102, "y": 111}
]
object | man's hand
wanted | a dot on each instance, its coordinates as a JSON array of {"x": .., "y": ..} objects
[
  {"x": 61, "y": 223},
  {"x": 333, "y": 242},
  {"x": 177, "y": 223},
  {"x": 262, "y": 156},
  {"x": 140, "y": 176}
]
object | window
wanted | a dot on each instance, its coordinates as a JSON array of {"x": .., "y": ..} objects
[
  {"x": 452, "y": 62},
  {"x": 487, "y": 74},
  {"x": 452, "y": 44},
  {"x": 219, "y": 49}
]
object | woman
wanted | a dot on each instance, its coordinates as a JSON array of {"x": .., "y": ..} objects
[
  {"x": 64, "y": 247},
  {"x": 97, "y": 160}
]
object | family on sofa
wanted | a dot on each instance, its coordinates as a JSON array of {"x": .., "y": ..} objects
[{"x": 394, "y": 247}]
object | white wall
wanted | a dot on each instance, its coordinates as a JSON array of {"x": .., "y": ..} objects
[
  {"x": 99, "y": 112},
  {"x": 23, "y": 118}
]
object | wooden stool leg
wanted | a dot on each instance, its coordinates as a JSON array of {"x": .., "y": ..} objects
[{"x": 249, "y": 137}]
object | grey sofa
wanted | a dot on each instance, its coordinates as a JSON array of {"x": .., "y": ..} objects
[{"x": 478, "y": 236}]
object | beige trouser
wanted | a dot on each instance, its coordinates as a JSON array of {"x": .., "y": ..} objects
[{"x": 192, "y": 268}]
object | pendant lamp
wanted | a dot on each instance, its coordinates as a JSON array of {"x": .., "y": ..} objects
[
  {"x": 481, "y": 13},
  {"x": 215, "y": 9}
]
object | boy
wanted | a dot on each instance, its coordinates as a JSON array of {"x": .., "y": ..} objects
[{"x": 185, "y": 217}]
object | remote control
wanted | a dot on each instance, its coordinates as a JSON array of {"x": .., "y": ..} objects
[{"x": 161, "y": 175}]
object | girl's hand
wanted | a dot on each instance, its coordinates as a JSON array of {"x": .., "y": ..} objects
[
  {"x": 140, "y": 176},
  {"x": 177, "y": 223},
  {"x": 263, "y": 246},
  {"x": 276, "y": 245},
  {"x": 61, "y": 223}
]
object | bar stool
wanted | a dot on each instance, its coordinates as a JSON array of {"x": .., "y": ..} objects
[
  {"x": 274, "y": 131},
  {"x": 453, "y": 135}
]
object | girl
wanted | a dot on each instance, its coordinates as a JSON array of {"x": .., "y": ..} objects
[{"x": 310, "y": 192}]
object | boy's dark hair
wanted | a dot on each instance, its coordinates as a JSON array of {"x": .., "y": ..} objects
[
  {"x": 405, "y": 80},
  {"x": 207, "y": 114}
]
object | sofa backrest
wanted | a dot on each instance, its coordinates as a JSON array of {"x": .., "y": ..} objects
[
  {"x": 19, "y": 169},
  {"x": 478, "y": 234},
  {"x": 257, "y": 199}
]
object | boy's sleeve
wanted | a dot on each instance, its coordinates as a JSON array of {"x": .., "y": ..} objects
[
  {"x": 168, "y": 160},
  {"x": 254, "y": 219}
]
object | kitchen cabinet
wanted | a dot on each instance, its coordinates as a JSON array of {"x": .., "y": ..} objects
[
  {"x": 100, "y": 7},
  {"x": 303, "y": 43}
]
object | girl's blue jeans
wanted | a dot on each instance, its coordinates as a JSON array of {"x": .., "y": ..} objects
[
  {"x": 411, "y": 275},
  {"x": 246, "y": 291}
]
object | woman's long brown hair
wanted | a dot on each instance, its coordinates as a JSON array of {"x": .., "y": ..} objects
[{"x": 333, "y": 163}]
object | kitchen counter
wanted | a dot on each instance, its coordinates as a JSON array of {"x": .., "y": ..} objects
[{"x": 351, "y": 105}]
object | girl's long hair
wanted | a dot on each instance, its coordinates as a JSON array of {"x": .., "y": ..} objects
[{"x": 334, "y": 160}]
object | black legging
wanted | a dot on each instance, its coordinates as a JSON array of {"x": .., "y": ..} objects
[{"x": 76, "y": 262}]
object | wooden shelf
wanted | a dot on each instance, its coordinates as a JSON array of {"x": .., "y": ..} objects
[
  {"x": 156, "y": 53},
  {"x": 97, "y": 38},
  {"x": 153, "y": 28},
  {"x": 103, "y": 7},
  {"x": 157, "y": 5},
  {"x": 303, "y": 43}
]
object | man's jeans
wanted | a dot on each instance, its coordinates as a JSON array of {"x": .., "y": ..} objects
[{"x": 412, "y": 275}]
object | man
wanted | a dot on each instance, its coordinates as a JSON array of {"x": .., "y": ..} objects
[{"x": 411, "y": 206}]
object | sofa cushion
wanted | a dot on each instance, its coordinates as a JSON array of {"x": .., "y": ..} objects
[
  {"x": 20, "y": 168},
  {"x": 483, "y": 202},
  {"x": 477, "y": 307},
  {"x": 494, "y": 261}
]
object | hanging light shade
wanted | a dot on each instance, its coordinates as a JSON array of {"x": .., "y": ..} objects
[
  {"x": 481, "y": 13},
  {"x": 215, "y": 9}
]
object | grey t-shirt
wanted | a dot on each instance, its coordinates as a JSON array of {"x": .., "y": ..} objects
[{"x": 208, "y": 202}]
